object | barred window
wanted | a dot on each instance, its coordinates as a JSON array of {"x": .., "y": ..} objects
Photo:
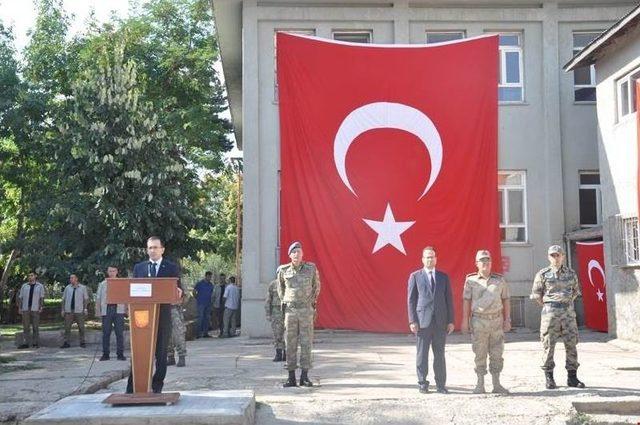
[{"x": 630, "y": 240}]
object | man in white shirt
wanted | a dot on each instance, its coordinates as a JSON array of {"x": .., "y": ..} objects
[
  {"x": 75, "y": 301},
  {"x": 231, "y": 306},
  {"x": 30, "y": 303},
  {"x": 112, "y": 318}
]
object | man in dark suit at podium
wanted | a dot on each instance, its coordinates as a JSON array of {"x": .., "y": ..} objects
[
  {"x": 430, "y": 307},
  {"x": 157, "y": 266}
]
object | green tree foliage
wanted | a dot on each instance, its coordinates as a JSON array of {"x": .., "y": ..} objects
[{"x": 107, "y": 137}]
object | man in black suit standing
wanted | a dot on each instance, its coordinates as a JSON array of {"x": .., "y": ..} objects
[
  {"x": 157, "y": 266},
  {"x": 430, "y": 306}
]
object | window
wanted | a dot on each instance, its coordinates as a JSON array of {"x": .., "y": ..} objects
[
  {"x": 517, "y": 312},
  {"x": 512, "y": 206},
  {"x": 589, "y": 199},
  {"x": 510, "y": 87},
  {"x": 353, "y": 36},
  {"x": 442, "y": 36},
  {"x": 584, "y": 78},
  {"x": 275, "y": 56},
  {"x": 630, "y": 240},
  {"x": 626, "y": 92}
]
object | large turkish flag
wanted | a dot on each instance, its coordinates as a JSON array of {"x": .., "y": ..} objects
[
  {"x": 592, "y": 278},
  {"x": 386, "y": 149}
]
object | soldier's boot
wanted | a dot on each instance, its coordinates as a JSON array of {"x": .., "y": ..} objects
[
  {"x": 278, "y": 356},
  {"x": 291, "y": 382},
  {"x": 497, "y": 387},
  {"x": 550, "y": 382},
  {"x": 479, "y": 389},
  {"x": 171, "y": 360},
  {"x": 181, "y": 361},
  {"x": 572, "y": 379},
  {"x": 284, "y": 355},
  {"x": 304, "y": 379}
]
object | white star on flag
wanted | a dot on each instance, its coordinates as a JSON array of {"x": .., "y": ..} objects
[
  {"x": 389, "y": 231},
  {"x": 600, "y": 295}
]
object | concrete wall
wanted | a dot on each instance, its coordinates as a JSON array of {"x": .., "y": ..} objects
[
  {"x": 618, "y": 167},
  {"x": 547, "y": 135}
]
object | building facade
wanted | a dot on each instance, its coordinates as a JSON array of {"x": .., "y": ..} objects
[
  {"x": 615, "y": 57},
  {"x": 549, "y": 179}
]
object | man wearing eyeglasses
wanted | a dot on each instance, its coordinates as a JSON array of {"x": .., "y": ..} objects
[
  {"x": 555, "y": 288},
  {"x": 158, "y": 266}
]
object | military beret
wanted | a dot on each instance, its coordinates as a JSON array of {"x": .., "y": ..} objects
[{"x": 293, "y": 246}]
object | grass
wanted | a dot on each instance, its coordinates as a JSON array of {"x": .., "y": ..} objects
[{"x": 12, "y": 329}]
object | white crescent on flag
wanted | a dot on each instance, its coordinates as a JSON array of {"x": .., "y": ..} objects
[
  {"x": 387, "y": 115},
  {"x": 595, "y": 264}
]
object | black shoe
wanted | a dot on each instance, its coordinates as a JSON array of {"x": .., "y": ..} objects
[
  {"x": 442, "y": 390},
  {"x": 121, "y": 357},
  {"x": 572, "y": 379},
  {"x": 35, "y": 346},
  {"x": 206, "y": 336},
  {"x": 197, "y": 336},
  {"x": 171, "y": 361},
  {"x": 423, "y": 387},
  {"x": 304, "y": 379},
  {"x": 550, "y": 383},
  {"x": 291, "y": 382},
  {"x": 65, "y": 345},
  {"x": 104, "y": 357},
  {"x": 23, "y": 346},
  {"x": 83, "y": 345},
  {"x": 278, "y": 356}
]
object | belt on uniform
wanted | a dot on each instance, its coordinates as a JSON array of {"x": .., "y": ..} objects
[
  {"x": 298, "y": 305},
  {"x": 488, "y": 315},
  {"x": 555, "y": 304}
]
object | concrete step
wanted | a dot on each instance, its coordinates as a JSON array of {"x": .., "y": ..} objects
[
  {"x": 194, "y": 408},
  {"x": 609, "y": 411}
]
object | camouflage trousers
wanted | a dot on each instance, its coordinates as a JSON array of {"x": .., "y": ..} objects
[
  {"x": 488, "y": 339},
  {"x": 277, "y": 327},
  {"x": 556, "y": 324},
  {"x": 298, "y": 324},
  {"x": 178, "y": 331}
]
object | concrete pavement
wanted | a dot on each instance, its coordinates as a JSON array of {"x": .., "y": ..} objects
[{"x": 365, "y": 378}]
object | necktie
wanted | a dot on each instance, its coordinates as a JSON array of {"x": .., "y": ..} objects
[
  {"x": 432, "y": 282},
  {"x": 152, "y": 269},
  {"x": 73, "y": 301}
]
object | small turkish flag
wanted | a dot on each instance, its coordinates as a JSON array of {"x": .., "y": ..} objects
[
  {"x": 593, "y": 283},
  {"x": 386, "y": 149}
]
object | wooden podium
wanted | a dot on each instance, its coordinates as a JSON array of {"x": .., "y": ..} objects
[{"x": 144, "y": 296}]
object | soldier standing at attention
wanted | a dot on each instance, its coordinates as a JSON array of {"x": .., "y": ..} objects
[
  {"x": 298, "y": 288},
  {"x": 177, "y": 341},
  {"x": 486, "y": 297},
  {"x": 555, "y": 288},
  {"x": 273, "y": 309}
]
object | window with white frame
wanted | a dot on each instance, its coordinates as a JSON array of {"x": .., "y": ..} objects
[
  {"x": 512, "y": 201},
  {"x": 511, "y": 86},
  {"x": 589, "y": 198},
  {"x": 584, "y": 78},
  {"x": 275, "y": 54},
  {"x": 356, "y": 36},
  {"x": 626, "y": 93},
  {"x": 443, "y": 36}
]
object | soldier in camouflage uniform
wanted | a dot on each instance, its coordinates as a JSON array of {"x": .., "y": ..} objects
[
  {"x": 555, "y": 288},
  {"x": 273, "y": 309},
  {"x": 486, "y": 300},
  {"x": 177, "y": 339},
  {"x": 298, "y": 288}
]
